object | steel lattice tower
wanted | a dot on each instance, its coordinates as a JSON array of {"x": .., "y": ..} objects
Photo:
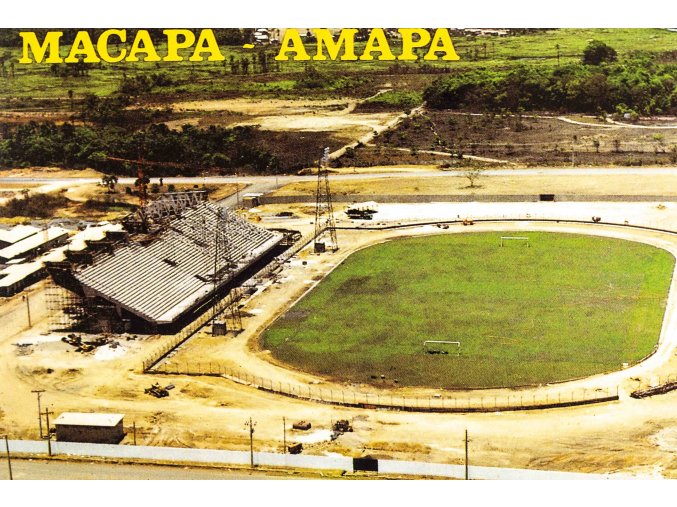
[{"x": 324, "y": 210}]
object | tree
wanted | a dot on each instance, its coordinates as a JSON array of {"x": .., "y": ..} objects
[
  {"x": 109, "y": 180},
  {"x": 597, "y": 53},
  {"x": 472, "y": 174}
]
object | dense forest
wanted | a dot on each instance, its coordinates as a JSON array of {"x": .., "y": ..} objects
[
  {"x": 214, "y": 148},
  {"x": 636, "y": 85}
]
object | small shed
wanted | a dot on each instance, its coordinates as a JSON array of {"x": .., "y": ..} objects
[
  {"x": 96, "y": 428},
  {"x": 252, "y": 199}
]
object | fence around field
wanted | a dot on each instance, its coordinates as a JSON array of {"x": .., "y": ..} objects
[
  {"x": 660, "y": 384},
  {"x": 449, "y": 401},
  {"x": 462, "y": 401},
  {"x": 176, "y": 340}
]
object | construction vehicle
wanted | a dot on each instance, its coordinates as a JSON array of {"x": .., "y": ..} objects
[
  {"x": 72, "y": 339},
  {"x": 295, "y": 448},
  {"x": 301, "y": 425},
  {"x": 84, "y": 346},
  {"x": 342, "y": 426},
  {"x": 157, "y": 390},
  {"x": 362, "y": 211}
]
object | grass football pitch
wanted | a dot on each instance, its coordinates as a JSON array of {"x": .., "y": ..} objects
[{"x": 565, "y": 307}]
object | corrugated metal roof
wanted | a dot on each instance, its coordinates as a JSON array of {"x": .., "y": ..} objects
[
  {"x": 88, "y": 419},
  {"x": 160, "y": 281}
]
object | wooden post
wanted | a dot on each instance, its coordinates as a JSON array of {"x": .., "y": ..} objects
[
  {"x": 466, "y": 454},
  {"x": 284, "y": 435},
  {"x": 9, "y": 459},
  {"x": 134, "y": 430},
  {"x": 39, "y": 393},
  {"x": 48, "y": 436},
  {"x": 28, "y": 309},
  {"x": 251, "y": 441}
]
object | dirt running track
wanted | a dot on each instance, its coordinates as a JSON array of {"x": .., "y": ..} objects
[{"x": 629, "y": 436}]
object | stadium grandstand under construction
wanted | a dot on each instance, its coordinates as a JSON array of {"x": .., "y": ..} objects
[{"x": 174, "y": 259}]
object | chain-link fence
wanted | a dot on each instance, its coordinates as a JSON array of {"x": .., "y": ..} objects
[
  {"x": 463, "y": 401},
  {"x": 659, "y": 384}
]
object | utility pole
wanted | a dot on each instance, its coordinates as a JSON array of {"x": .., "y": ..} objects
[
  {"x": 28, "y": 309},
  {"x": 284, "y": 435},
  {"x": 466, "y": 454},
  {"x": 48, "y": 436},
  {"x": 251, "y": 425},
  {"x": 9, "y": 459},
  {"x": 237, "y": 191},
  {"x": 39, "y": 393}
]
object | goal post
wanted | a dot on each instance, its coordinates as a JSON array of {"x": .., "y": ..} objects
[{"x": 505, "y": 239}]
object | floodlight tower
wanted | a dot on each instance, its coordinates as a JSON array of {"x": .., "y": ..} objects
[
  {"x": 324, "y": 210},
  {"x": 224, "y": 270}
]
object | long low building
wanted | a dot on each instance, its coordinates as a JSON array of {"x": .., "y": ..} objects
[
  {"x": 162, "y": 278},
  {"x": 18, "y": 275},
  {"x": 17, "y": 233},
  {"x": 14, "y": 278},
  {"x": 34, "y": 244}
]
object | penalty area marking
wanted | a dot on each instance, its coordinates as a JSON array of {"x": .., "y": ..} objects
[{"x": 516, "y": 238}]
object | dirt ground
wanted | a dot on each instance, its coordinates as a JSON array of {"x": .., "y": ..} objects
[
  {"x": 616, "y": 184},
  {"x": 629, "y": 436},
  {"x": 333, "y": 116},
  {"x": 49, "y": 172}
]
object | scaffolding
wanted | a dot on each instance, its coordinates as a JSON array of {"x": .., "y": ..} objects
[
  {"x": 156, "y": 213},
  {"x": 66, "y": 309},
  {"x": 232, "y": 314},
  {"x": 225, "y": 221},
  {"x": 188, "y": 261}
]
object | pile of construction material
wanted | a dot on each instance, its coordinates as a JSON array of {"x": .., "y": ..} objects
[{"x": 88, "y": 346}]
